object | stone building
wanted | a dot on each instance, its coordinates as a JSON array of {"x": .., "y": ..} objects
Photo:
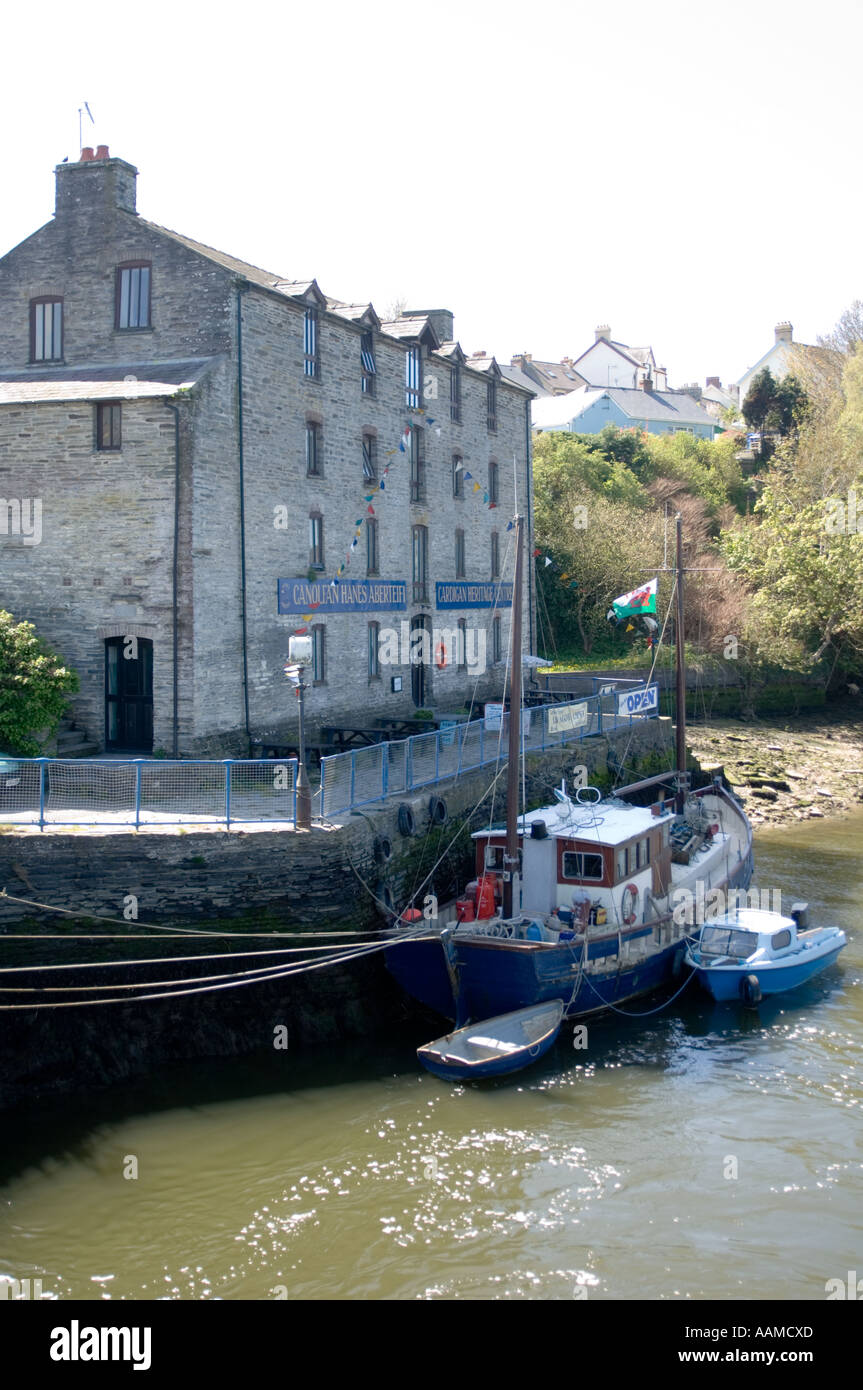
[{"x": 199, "y": 457}]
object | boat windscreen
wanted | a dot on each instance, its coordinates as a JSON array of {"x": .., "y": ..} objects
[{"x": 728, "y": 941}]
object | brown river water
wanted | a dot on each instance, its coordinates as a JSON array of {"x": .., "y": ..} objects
[{"x": 704, "y": 1152}]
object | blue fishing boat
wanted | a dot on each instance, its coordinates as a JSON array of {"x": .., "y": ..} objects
[
  {"x": 585, "y": 900},
  {"x": 752, "y": 952},
  {"x": 496, "y": 1046}
]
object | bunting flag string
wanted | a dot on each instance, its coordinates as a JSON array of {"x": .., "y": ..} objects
[{"x": 376, "y": 488}]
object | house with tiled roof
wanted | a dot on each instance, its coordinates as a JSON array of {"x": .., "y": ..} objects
[
  {"x": 608, "y": 362},
  {"x": 547, "y": 378},
  {"x": 590, "y": 409}
]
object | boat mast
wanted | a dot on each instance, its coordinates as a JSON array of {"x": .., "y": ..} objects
[
  {"x": 510, "y": 861},
  {"x": 681, "y": 677}
]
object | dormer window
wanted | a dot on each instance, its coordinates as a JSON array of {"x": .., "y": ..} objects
[
  {"x": 133, "y": 295},
  {"x": 46, "y": 330}
]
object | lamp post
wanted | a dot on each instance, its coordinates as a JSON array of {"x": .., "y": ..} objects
[{"x": 299, "y": 656}]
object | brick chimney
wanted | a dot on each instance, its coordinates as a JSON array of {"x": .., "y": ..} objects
[
  {"x": 97, "y": 183},
  {"x": 783, "y": 332},
  {"x": 603, "y": 331},
  {"x": 714, "y": 381}
]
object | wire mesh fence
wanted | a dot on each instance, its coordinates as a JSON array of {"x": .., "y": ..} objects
[
  {"x": 356, "y": 779},
  {"x": 159, "y": 791},
  {"x": 139, "y": 791}
]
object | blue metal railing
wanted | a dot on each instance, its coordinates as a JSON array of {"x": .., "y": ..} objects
[
  {"x": 147, "y": 791},
  {"x": 365, "y": 775}
]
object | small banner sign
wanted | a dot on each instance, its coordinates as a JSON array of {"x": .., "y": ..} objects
[
  {"x": 567, "y": 717},
  {"x": 348, "y": 596},
  {"x": 639, "y": 701},
  {"x": 466, "y": 593}
]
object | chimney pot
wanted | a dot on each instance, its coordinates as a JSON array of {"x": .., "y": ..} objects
[
  {"x": 87, "y": 154},
  {"x": 603, "y": 331},
  {"x": 102, "y": 152},
  {"x": 783, "y": 332},
  {"x": 714, "y": 381}
]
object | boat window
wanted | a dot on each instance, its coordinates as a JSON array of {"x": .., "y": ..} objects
[
  {"x": 582, "y": 865},
  {"x": 494, "y": 855},
  {"x": 642, "y": 853},
  {"x": 727, "y": 941},
  {"x": 621, "y": 865},
  {"x": 780, "y": 939},
  {"x": 666, "y": 832}
]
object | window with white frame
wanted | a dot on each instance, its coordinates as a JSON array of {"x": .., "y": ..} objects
[
  {"x": 311, "y": 358},
  {"x": 369, "y": 363},
  {"x": 46, "y": 330},
  {"x": 133, "y": 295},
  {"x": 413, "y": 377}
]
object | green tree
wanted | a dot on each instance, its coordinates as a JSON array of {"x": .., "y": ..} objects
[
  {"x": 34, "y": 686},
  {"x": 759, "y": 401},
  {"x": 789, "y": 406}
]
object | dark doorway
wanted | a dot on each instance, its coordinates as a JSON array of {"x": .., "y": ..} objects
[
  {"x": 129, "y": 694},
  {"x": 419, "y": 655}
]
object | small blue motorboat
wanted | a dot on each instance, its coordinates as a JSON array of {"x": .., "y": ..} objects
[
  {"x": 752, "y": 952},
  {"x": 495, "y": 1046}
]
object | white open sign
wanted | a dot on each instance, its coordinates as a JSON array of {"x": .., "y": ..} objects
[{"x": 638, "y": 701}]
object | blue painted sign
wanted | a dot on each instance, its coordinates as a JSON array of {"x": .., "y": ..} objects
[
  {"x": 469, "y": 593},
  {"x": 348, "y": 596},
  {"x": 639, "y": 701}
]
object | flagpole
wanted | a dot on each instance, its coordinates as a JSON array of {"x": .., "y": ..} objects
[{"x": 681, "y": 677}]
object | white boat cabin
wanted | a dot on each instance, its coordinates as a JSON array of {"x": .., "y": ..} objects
[
  {"x": 749, "y": 934},
  {"x": 600, "y": 864}
]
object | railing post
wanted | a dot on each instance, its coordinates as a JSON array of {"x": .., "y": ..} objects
[
  {"x": 599, "y": 714},
  {"x": 385, "y": 770},
  {"x": 482, "y": 741},
  {"x": 353, "y": 774},
  {"x": 409, "y": 764},
  {"x": 42, "y": 762},
  {"x": 138, "y": 762},
  {"x": 294, "y": 779},
  {"x": 227, "y": 765},
  {"x": 437, "y": 755}
]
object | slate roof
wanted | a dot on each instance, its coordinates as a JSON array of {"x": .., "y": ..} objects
[
  {"x": 668, "y": 407},
  {"x": 517, "y": 377},
  {"x": 266, "y": 278},
  {"x": 412, "y": 326},
  {"x": 132, "y": 381}
]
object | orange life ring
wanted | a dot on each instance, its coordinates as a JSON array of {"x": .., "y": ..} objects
[
  {"x": 629, "y": 917},
  {"x": 440, "y": 656}
]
